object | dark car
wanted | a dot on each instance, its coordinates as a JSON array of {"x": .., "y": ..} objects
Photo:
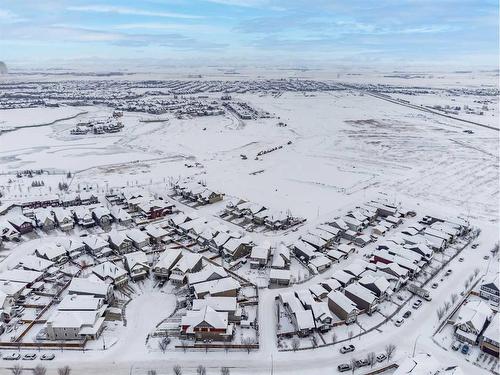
[
  {"x": 407, "y": 314},
  {"x": 361, "y": 363},
  {"x": 465, "y": 349},
  {"x": 343, "y": 367}
]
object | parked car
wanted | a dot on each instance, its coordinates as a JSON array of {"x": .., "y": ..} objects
[
  {"x": 486, "y": 257},
  {"x": 29, "y": 356},
  {"x": 475, "y": 245},
  {"x": 434, "y": 286},
  {"x": 465, "y": 349},
  {"x": 399, "y": 322},
  {"x": 381, "y": 357},
  {"x": 448, "y": 273},
  {"x": 407, "y": 314},
  {"x": 417, "y": 304},
  {"x": 361, "y": 363},
  {"x": 461, "y": 259},
  {"x": 47, "y": 357},
  {"x": 343, "y": 367},
  {"x": 347, "y": 349},
  {"x": 456, "y": 345},
  {"x": 12, "y": 357}
]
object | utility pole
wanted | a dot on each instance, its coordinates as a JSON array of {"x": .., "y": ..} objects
[{"x": 415, "y": 346}]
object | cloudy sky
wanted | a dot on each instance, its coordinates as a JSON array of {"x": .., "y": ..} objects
[{"x": 327, "y": 31}]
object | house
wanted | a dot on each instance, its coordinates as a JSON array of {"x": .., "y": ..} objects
[
  {"x": 364, "y": 298},
  {"x": 281, "y": 257},
  {"x": 83, "y": 216},
  {"x": 119, "y": 242},
  {"x": 137, "y": 265},
  {"x": 102, "y": 216},
  {"x": 279, "y": 276},
  {"x": 87, "y": 287},
  {"x": 321, "y": 314},
  {"x": 343, "y": 277},
  {"x": 188, "y": 263},
  {"x": 75, "y": 325},
  {"x": 236, "y": 248},
  {"x": 222, "y": 304},
  {"x": 331, "y": 285},
  {"x": 87, "y": 197},
  {"x": 379, "y": 285},
  {"x": 206, "y": 324},
  {"x": 318, "y": 291},
  {"x": 95, "y": 244},
  {"x": 208, "y": 273},
  {"x": 8, "y": 232},
  {"x": 54, "y": 253},
  {"x": 35, "y": 263},
  {"x": 336, "y": 255},
  {"x": 340, "y": 224},
  {"x": 139, "y": 238},
  {"x": 166, "y": 262},
  {"x": 346, "y": 249},
  {"x": 490, "y": 339},
  {"x": 471, "y": 320},
  {"x": 302, "y": 318},
  {"x": 303, "y": 251},
  {"x": 354, "y": 224},
  {"x": 73, "y": 246},
  {"x": 259, "y": 255},
  {"x": 154, "y": 209},
  {"x": 120, "y": 216},
  {"x": 224, "y": 287},
  {"x": 63, "y": 218},
  {"x": 21, "y": 223},
  {"x": 6, "y": 303},
  {"x": 110, "y": 273},
  {"x": 320, "y": 263},
  {"x": 342, "y": 307},
  {"x": 70, "y": 199},
  {"x": 21, "y": 276},
  {"x": 490, "y": 290},
  {"x": 157, "y": 234},
  {"x": 44, "y": 219},
  {"x": 216, "y": 243},
  {"x": 315, "y": 241}
]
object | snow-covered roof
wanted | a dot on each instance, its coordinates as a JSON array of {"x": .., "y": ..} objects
[
  {"x": 80, "y": 302},
  {"x": 361, "y": 292},
  {"x": 216, "y": 286},
  {"x": 216, "y": 303},
  {"x": 278, "y": 274},
  {"x": 108, "y": 269},
  {"x": 209, "y": 271},
  {"x": 22, "y": 276},
  {"x": 474, "y": 314},
  {"x": 342, "y": 301},
  {"x": 215, "y": 319},
  {"x": 34, "y": 263},
  {"x": 168, "y": 258}
]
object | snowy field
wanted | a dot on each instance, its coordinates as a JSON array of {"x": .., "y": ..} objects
[{"x": 340, "y": 149}]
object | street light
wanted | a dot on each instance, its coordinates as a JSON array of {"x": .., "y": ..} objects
[{"x": 415, "y": 346}]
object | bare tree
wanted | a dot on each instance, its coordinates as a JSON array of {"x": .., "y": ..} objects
[
  {"x": 17, "y": 370},
  {"x": 224, "y": 371},
  {"x": 389, "y": 351},
  {"x": 295, "y": 343},
  {"x": 163, "y": 344},
  {"x": 350, "y": 334},
  {"x": 440, "y": 313},
  {"x": 494, "y": 251},
  {"x": 39, "y": 370},
  {"x": 353, "y": 365},
  {"x": 201, "y": 370},
  {"x": 446, "y": 305},
  {"x": 371, "y": 358},
  {"x": 66, "y": 370},
  {"x": 334, "y": 338},
  {"x": 454, "y": 297},
  {"x": 152, "y": 372},
  {"x": 177, "y": 370},
  {"x": 248, "y": 342}
]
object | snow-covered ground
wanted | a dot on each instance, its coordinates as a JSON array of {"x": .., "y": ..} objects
[{"x": 340, "y": 149}]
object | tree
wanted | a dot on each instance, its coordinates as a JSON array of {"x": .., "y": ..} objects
[
  {"x": 389, "y": 351},
  {"x": 371, "y": 358},
  {"x": 39, "y": 370},
  {"x": 224, "y": 371},
  {"x": 248, "y": 342},
  {"x": 177, "y": 370},
  {"x": 446, "y": 305},
  {"x": 454, "y": 297},
  {"x": 163, "y": 344},
  {"x": 66, "y": 370},
  {"x": 334, "y": 338},
  {"x": 494, "y": 251},
  {"x": 295, "y": 343},
  {"x": 17, "y": 370},
  {"x": 440, "y": 313},
  {"x": 350, "y": 334},
  {"x": 353, "y": 365},
  {"x": 152, "y": 372},
  {"x": 201, "y": 370}
]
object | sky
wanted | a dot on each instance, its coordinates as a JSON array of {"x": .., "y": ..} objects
[{"x": 370, "y": 32}]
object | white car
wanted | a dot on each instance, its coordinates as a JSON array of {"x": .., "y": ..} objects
[
  {"x": 12, "y": 357},
  {"x": 399, "y": 322}
]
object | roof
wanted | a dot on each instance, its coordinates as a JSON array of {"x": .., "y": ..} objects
[
  {"x": 108, "y": 269},
  {"x": 361, "y": 292},
  {"x": 187, "y": 262},
  {"x": 168, "y": 258},
  {"x": 278, "y": 274},
  {"x": 22, "y": 276},
  {"x": 34, "y": 263},
  {"x": 216, "y": 286},
  {"x": 492, "y": 332},
  {"x": 84, "y": 286},
  {"x": 208, "y": 315},
  {"x": 260, "y": 252},
  {"x": 137, "y": 235},
  {"x": 95, "y": 242},
  {"x": 216, "y": 303},
  {"x": 51, "y": 251},
  {"x": 135, "y": 258},
  {"x": 155, "y": 231},
  {"x": 342, "y": 301},
  {"x": 80, "y": 302},
  {"x": 101, "y": 211},
  {"x": 475, "y": 314},
  {"x": 209, "y": 271}
]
